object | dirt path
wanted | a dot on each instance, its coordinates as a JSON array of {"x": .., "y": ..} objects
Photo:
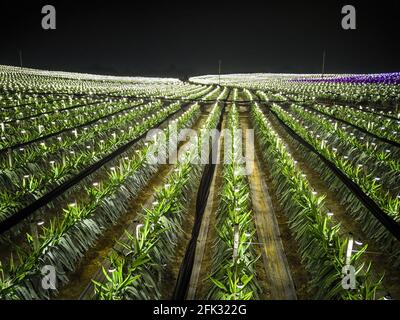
[
  {"x": 299, "y": 275},
  {"x": 278, "y": 283}
]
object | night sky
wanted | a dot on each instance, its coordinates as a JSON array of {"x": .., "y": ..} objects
[{"x": 167, "y": 38}]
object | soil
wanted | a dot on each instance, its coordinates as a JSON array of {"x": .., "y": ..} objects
[
  {"x": 273, "y": 271},
  {"x": 299, "y": 274}
]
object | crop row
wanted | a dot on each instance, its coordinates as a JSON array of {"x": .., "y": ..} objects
[
  {"x": 233, "y": 274},
  {"x": 64, "y": 240},
  {"x": 322, "y": 246},
  {"x": 136, "y": 270}
]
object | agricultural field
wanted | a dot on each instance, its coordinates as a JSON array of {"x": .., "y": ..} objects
[{"x": 297, "y": 199}]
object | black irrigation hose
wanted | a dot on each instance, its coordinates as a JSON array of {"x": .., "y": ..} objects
[
  {"x": 329, "y": 102},
  {"x": 31, "y": 103},
  {"x": 392, "y": 226},
  {"x": 50, "y": 135},
  {"x": 186, "y": 268},
  {"x": 22, "y": 214},
  {"x": 68, "y": 94},
  {"x": 55, "y": 110},
  {"x": 353, "y": 106},
  {"x": 109, "y": 95},
  {"x": 131, "y": 97},
  {"x": 146, "y": 99},
  {"x": 59, "y": 93},
  {"x": 97, "y": 95},
  {"x": 392, "y": 143}
]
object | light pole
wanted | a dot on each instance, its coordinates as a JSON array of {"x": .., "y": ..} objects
[
  {"x": 219, "y": 71},
  {"x": 323, "y": 63},
  {"x": 20, "y": 58}
]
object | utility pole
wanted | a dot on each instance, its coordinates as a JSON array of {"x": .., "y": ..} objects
[
  {"x": 323, "y": 63},
  {"x": 20, "y": 58},
  {"x": 219, "y": 71}
]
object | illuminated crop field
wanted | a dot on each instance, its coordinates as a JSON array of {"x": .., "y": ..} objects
[{"x": 232, "y": 187}]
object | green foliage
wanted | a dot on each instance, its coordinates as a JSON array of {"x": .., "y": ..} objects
[
  {"x": 146, "y": 254},
  {"x": 233, "y": 274},
  {"x": 321, "y": 245}
]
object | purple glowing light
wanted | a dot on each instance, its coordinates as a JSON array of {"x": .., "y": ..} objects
[{"x": 383, "y": 78}]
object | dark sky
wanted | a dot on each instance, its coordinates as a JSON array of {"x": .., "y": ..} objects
[{"x": 175, "y": 38}]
